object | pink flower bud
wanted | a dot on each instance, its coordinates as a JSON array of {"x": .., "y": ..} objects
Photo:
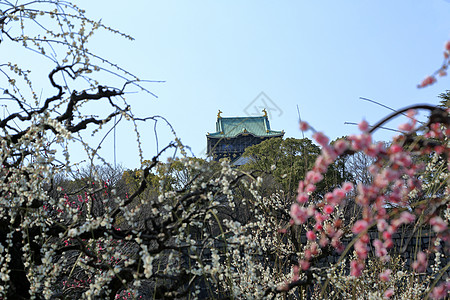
[
  {"x": 361, "y": 249},
  {"x": 302, "y": 198},
  {"x": 427, "y": 81},
  {"x": 363, "y": 125},
  {"x": 438, "y": 224},
  {"x": 308, "y": 254},
  {"x": 310, "y": 188},
  {"x": 340, "y": 146},
  {"x": 407, "y": 217},
  {"x": 320, "y": 138},
  {"x": 347, "y": 187},
  {"x": 298, "y": 214},
  {"x": 328, "y": 209},
  {"x": 360, "y": 226},
  {"x": 304, "y": 126},
  {"x": 420, "y": 265},
  {"x": 405, "y": 127},
  {"x": 385, "y": 276},
  {"x": 388, "y": 293},
  {"x": 365, "y": 238},
  {"x": 310, "y": 235},
  {"x": 395, "y": 148},
  {"x": 339, "y": 194},
  {"x": 295, "y": 271},
  {"x": 304, "y": 264},
  {"x": 382, "y": 225},
  {"x": 388, "y": 243},
  {"x": 314, "y": 176},
  {"x": 355, "y": 268},
  {"x": 447, "y": 46},
  {"x": 440, "y": 291}
]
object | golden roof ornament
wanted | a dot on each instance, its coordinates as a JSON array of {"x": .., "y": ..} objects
[
  {"x": 218, "y": 114},
  {"x": 265, "y": 112}
]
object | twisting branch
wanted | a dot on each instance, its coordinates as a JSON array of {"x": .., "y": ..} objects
[
  {"x": 144, "y": 183},
  {"x": 438, "y": 115}
]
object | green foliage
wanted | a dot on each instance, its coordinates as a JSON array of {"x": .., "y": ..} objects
[
  {"x": 288, "y": 160},
  {"x": 170, "y": 176},
  {"x": 445, "y": 99}
]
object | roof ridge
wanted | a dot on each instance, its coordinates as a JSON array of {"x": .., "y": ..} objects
[{"x": 246, "y": 117}]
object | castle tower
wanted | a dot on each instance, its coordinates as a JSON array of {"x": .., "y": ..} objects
[{"x": 234, "y": 135}]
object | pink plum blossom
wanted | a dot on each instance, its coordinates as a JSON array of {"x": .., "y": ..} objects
[
  {"x": 380, "y": 249},
  {"x": 295, "y": 271},
  {"x": 328, "y": 209},
  {"x": 360, "y": 226},
  {"x": 356, "y": 268},
  {"x": 298, "y": 214},
  {"x": 321, "y": 138},
  {"x": 382, "y": 225},
  {"x": 427, "y": 81},
  {"x": 361, "y": 141},
  {"x": 308, "y": 254},
  {"x": 420, "y": 265},
  {"x": 304, "y": 126},
  {"x": 441, "y": 291},
  {"x": 314, "y": 176},
  {"x": 388, "y": 293},
  {"x": 314, "y": 248},
  {"x": 302, "y": 198},
  {"x": 361, "y": 249},
  {"x": 385, "y": 276},
  {"x": 310, "y": 235},
  {"x": 365, "y": 238},
  {"x": 438, "y": 224},
  {"x": 340, "y": 146},
  {"x": 407, "y": 217},
  {"x": 395, "y": 148},
  {"x": 339, "y": 194},
  {"x": 406, "y": 127},
  {"x": 363, "y": 125},
  {"x": 347, "y": 187},
  {"x": 304, "y": 264}
]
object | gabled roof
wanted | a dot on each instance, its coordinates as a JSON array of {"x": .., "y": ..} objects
[{"x": 232, "y": 127}]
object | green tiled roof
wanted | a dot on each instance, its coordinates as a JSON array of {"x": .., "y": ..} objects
[{"x": 232, "y": 127}]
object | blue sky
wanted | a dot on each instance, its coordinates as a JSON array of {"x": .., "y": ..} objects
[{"x": 319, "y": 55}]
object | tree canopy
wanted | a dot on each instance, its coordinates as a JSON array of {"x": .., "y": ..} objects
[{"x": 288, "y": 161}]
